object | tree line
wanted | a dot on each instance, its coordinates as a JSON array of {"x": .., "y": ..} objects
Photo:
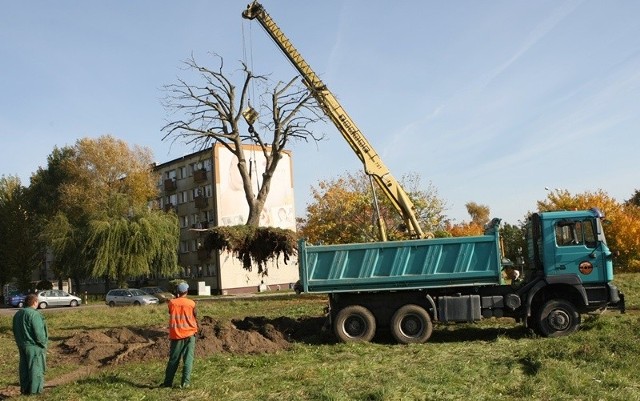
[
  {"x": 341, "y": 210},
  {"x": 88, "y": 213}
]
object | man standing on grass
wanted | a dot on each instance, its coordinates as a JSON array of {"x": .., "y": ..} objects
[
  {"x": 183, "y": 327},
  {"x": 30, "y": 332}
]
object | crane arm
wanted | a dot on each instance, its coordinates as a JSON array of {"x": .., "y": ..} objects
[{"x": 373, "y": 165}]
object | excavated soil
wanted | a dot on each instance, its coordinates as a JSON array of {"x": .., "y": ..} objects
[
  {"x": 92, "y": 350},
  {"x": 251, "y": 335}
]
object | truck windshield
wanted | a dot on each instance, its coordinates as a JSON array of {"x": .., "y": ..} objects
[{"x": 574, "y": 233}]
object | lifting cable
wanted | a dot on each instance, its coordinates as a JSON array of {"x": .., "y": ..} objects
[{"x": 250, "y": 113}]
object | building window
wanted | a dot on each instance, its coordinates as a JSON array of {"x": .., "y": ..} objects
[
  {"x": 208, "y": 216},
  {"x": 170, "y": 175},
  {"x": 171, "y": 199},
  {"x": 195, "y": 192}
]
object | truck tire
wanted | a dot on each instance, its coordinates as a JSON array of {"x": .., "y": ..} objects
[
  {"x": 354, "y": 323},
  {"x": 411, "y": 324},
  {"x": 557, "y": 318}
]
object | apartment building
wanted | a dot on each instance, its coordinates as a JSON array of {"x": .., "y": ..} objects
[{"x": 204, "y": 189}]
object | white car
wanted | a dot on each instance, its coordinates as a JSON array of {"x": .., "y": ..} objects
[{"x": 49, "y": 298}]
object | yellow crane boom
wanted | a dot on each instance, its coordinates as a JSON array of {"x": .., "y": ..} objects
[{"x": 373, "y": 165}]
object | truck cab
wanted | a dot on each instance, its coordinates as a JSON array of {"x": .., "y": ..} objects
[{"x": 569, "y": 264}]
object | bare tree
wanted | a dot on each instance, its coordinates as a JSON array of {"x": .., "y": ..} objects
[{"x": 213, "y": 112}]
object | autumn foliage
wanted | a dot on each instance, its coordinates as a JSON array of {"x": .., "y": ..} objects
[
  {"x": 465, "y": 229},
  {"x": 339, "y": 214},
  {"x": 342, "y": 211}
]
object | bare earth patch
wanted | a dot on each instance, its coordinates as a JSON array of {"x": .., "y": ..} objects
[{"x": 92, "y": 350}]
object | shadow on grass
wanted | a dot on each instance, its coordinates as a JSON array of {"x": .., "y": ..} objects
[
  {"x": 530, "y": 366},
  {"x": 114, "y": 379},
  {"x": 315, "y": 331},
  {"x": 461, "y": 334}
]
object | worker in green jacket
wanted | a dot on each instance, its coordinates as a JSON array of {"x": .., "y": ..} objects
[{"x": 30, "y": 332}]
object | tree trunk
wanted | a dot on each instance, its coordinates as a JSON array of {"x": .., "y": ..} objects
[{"x": 255, "y": 210}]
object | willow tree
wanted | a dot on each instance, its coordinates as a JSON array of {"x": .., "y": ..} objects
[
  {"x": 128, "y": 246},
  {"x": 104, "y": 226},
  {"x": 214, "y": 110}
]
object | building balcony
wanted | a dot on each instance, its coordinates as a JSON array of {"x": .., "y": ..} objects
[
  {"x": 203, "y": 225},
  {"x": 201, "y": 202},
  {"x": 199, "y": 176},
  {"x": 203, "y": 254},
  {"x": 170, "y": 185}
]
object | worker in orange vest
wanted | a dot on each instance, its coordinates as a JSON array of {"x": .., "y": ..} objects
[{"x": 183, "y": 327}]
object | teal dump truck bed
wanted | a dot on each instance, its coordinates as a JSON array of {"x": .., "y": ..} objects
[{"x": 395, "y": 265}]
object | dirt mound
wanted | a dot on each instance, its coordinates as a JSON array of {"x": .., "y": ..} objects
[
  {"x": 250, "y": 335},
  {"x": 92, "y": 350}
]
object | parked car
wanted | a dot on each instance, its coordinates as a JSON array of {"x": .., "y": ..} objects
[
  {"x": 129, "y": 296},
  {"x": 47, "y": 298},
  {"x": 16, "y": 299},
  {"x": 158, "y": 292}
]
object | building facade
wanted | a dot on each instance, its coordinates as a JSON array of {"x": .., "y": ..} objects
[{"x": 204, "y": 189}]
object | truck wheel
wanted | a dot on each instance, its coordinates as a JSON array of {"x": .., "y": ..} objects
[
  {"x": 354, "y": 323},
  {"x": 558, "y": 318},
  {"x": 411, "y": 324}
]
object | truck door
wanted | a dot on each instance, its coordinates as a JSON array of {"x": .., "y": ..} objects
[{"x": 578, "y": 250}]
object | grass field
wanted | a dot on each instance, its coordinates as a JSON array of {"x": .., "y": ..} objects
[{"x": 490, "y": 360}]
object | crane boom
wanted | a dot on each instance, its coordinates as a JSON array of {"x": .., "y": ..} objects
[{"x": 373, "y": 165}]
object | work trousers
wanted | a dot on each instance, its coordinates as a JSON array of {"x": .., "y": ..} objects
[
  {"x": 32, "y": 366},
  {"x": 180, "y": 349}
]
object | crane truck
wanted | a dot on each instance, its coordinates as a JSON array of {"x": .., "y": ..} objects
[{"x": 404, "y": 286}]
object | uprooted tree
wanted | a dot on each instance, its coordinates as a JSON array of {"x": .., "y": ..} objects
[
  {"x": 253, "y": 244},
  {"x": 215, "y": 111}
]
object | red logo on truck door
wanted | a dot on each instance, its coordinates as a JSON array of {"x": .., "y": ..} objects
[{"x": 585, "y": 267}]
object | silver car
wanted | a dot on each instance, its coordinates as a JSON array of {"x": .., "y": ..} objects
[
  {"x": 129, "y": 296},
  {"x": 49, "y": 298},
  {"x": 161, "y": 294}
]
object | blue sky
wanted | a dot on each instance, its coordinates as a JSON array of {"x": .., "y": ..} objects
[{"x": 490, "y": 101}]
